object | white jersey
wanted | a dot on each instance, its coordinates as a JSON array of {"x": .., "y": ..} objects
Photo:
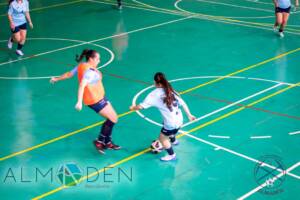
[
  {"x": 17, "y": 12},
  {"x": 284, "y": 3},
  {"x": 172, "y": 118}
]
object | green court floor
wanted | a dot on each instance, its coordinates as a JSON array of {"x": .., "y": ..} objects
[{"x": 238, "y": 77}]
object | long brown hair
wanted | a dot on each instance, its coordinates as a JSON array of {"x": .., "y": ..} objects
[
  {"x": 87, "y": 54},
  {"x": 160, "y": 78}
]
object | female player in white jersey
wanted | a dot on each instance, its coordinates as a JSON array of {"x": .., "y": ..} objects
[
  {"x": 282, "y": 12},
  {"x": 167, "y": 101},
  {"x": 18, "y": 16}
]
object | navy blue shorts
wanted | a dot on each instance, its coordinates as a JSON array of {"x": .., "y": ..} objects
[
  {"x": 169, "y": 132},
  {"x": 18, "y": 28},
  {"x": 282, "y": 10},
  {"x": 97, "y": 107}
]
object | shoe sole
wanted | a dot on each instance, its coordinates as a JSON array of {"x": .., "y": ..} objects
[
  {"x": 173, "y": 159},
  {"x": 19, "y": 54},
  {"x": 114, "y": 148},
  {"x": 99, "y": 150}
]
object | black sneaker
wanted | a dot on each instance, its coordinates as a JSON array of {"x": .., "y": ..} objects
[
  {"x": 113, "y": 146},
  {"x": 99, "y": 146}
]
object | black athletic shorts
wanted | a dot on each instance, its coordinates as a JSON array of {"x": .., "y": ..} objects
[
  {"x": 282, "y": 10},
  {"x": 18, "y": 28},
  {"x": 169, "y": 132},
  {"x": 97, "y": 107}
]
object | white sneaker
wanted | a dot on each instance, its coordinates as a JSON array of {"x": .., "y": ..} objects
[
  {"x": 168, "y": 157},
  {"x": 175, "y": 143},
  {"x": 19, "y": 52},
  {"x": 275, "y": 29},
  {"x": 281, "y": 34},
  {"x": 9, "y": 43}
]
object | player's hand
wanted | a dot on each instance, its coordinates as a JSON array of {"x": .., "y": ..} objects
[
  {"x": 78, "y": 106},
  {"x": 191, "y": 117},
  {"x": 53, "y": 80},
  {"x": 12, "y": 26},
  {"x": 31, "y": 25},
  {"x": 132, "y": 108}
]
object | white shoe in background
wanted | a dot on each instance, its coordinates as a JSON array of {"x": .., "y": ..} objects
[
  {"x": 19, "y": 52},
  {"x": 9, "y": 43}
]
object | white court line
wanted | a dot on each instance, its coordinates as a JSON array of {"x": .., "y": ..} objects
[
  {"x": 204, "y": 116},
  {"x": 141, "y": 3},
  {"x": 261, "y": 79},
  {"x": 236, "y": 6},
  {"x": 267, "y": 182},
  {"x": 218, "y": 147},
  {"x": 134, "y": 101},
  {"x": 232, "y": 104},
  {"x": 294, "y": 133},
  {"x": 232, "y": 17},
  {"x": 100, "y": 39},
  {"x": 112, "y": 56},
  {"x": 261, "y": 137},
  {"x": 219, "y": 136},
  {"x": 257, "y": 1},
  {"x": 200, "y": 16}
]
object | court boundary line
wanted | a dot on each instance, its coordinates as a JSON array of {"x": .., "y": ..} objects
[
  {"x": 219, "y": 19},
  {"x": 219, "y": 147},
  {"x": 136, "y": 30},
  {"x": 70, "y": 134},
  {"x": 260, "y": 137},
  {"x": 99, "y": 39},
  {"x": 50, "y": 6},
  {"x": 205, "y": 115},
  {"x": 236, "y": 6},
  {"x": 219, "y": 136},
  {"x": 117, "y": 35},
  {"x": 234, "y": 20},
  {"x": 112, "y": 57},
  {"x": 294, "y": 133},
  {"x": 191, "y": 89},
  {"x": 181, "y": 135},
  {"x": 266, "y": 182}
]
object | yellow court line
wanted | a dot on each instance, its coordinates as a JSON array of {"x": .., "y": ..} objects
[
  {"x": 240, "y": 109},
  {"x": 181, "y": 135},
  {"x": 51, "y": 6},
  {"x": 59, "y": 138},
  {"x": 242, "y": 70},
  {"x": 93, "y": 174},
  {"x": 229, "y": 19},
  {"x": 123, "y": 3},
  {"x": 126, "y": 113}
]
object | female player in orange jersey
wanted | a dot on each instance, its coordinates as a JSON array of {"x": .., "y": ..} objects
[{"x": 91, "y": 93}]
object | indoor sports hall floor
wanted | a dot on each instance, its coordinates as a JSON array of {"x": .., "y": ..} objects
[{"x": 237, "y": 76}]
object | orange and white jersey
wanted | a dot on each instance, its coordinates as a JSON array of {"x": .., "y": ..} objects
[{"x": 94, "y": 91}]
